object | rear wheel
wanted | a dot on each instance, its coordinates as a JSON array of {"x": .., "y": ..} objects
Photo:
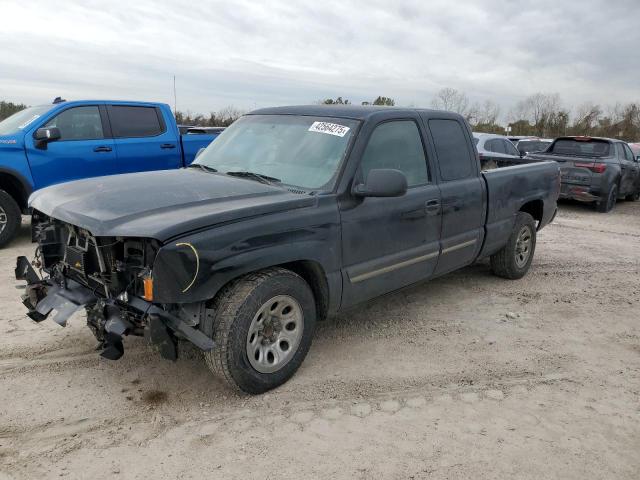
[
  {"x": 608, "y": 201},
  {"x": 10, "y": 218},
  {"x": 514, "y": 259},
  {"x": 262, "y": 325}
]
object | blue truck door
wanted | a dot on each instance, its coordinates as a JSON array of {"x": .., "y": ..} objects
[
  {"x": 463, "y": 194},
  {"x": 143, "y": 139},
  {"x": 84, "y": 149},
  {"x": 388, "y": 243}
]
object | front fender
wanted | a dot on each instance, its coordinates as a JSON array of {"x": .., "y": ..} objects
[{"x": 195, "y": 267}]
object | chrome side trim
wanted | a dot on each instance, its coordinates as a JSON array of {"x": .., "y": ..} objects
[
  {"x": 459, "y": 246},
  {"x": 391, "y": 268}
]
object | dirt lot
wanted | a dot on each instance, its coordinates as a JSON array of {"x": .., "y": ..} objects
[{"x": 468, "y": 376}]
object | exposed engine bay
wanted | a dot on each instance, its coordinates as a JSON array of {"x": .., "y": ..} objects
[{"x": 111, "y": 278}]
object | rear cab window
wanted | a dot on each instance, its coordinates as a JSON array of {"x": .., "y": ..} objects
[
  {"x": 588, "y": 147},
  {"x": 452, "y": 149},
  {"x": 135, "y": 121}
]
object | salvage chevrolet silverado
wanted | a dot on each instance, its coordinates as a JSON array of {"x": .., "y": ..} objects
[{"x": 291, "y": 215}]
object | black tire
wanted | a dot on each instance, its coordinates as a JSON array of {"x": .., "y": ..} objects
[
  {"x": 10, "y": 218},
  {"x": 230, "y": 318},
  {"x": 633, "y": 197},
  {"x": 608, "y": 200},
  {"x": 509, "y": 262}
]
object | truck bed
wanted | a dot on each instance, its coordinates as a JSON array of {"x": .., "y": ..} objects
[{"x": 511, "y": 187}]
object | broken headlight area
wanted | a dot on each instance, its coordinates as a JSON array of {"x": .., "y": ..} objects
[{"x": 109, "y": 278}]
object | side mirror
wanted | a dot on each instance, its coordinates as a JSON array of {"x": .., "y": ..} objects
[
  {"x": 199, "y": 152},
  {"x": 45, "y": 135},
  {"x": 382, "y": 182}
]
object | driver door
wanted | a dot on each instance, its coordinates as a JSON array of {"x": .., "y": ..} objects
[
  {"x": 84, "y": 149},
  {"x": 388, "y": 243}
]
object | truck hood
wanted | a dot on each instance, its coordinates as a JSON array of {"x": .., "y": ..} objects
[{"x": 163, "y": 204}]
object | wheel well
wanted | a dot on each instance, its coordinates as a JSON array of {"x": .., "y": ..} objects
[
  {"x": 13, "y": 187},
  {"x": 535, "y": 208},
  {"x": 313, "y": 273}
]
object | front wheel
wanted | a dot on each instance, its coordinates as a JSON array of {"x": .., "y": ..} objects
[
  {"x": 514, "y": 259},
  {"x": 633, "y": 197},
  {"x": 262, "y": 325},
  {"x": 10, "y": 218}
]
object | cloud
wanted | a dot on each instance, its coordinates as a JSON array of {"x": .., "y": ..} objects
[{"x": 253, "y": 54}]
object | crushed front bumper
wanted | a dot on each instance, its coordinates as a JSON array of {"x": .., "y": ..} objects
[{"x": 43, "y": 296}]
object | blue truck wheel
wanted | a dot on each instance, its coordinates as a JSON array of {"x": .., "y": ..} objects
[{"x": 10, "y": 218}]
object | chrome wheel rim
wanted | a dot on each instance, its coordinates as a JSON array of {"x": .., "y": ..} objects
[
  {"x": 275, "y": 333},
  {"x": 523, "y": 246},
  {"x": 3, "y": 219}
]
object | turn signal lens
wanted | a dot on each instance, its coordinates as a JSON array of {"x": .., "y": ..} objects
[{"x": 148, "y": 288}]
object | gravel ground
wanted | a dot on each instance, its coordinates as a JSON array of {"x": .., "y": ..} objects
[{"x": 467, "y": 376}]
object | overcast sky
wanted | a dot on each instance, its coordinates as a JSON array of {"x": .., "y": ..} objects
[{"x": 253, "y": 54}]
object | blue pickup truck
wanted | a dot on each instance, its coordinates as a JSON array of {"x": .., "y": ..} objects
[{"x": 62, "y": 141}]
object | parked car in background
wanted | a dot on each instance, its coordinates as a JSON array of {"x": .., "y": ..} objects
[
  {"x": 635, "y": 148},
  {"x": 291, "y": 215},
  {"x": 532, "y": 145},
  {"x": 496, "y": 151},
  {"x": 195, "y": 129},
  {"x": 516, "y": 138},
  {"x": 597, "y": 170},
  {"x": 49, "y": 144}
]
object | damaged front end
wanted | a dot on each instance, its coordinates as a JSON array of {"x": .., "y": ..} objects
[{"x": 111, "y": 278}]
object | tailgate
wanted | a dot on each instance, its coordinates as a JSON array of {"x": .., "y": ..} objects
[{"x": 576, "y": 172}]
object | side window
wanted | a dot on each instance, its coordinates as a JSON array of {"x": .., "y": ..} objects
[
  {"x": 452, "y": 149},
  {"x": 628, "y": 154},
  {"x": 397, "y": 145},
  {"x": 620, "y": 151},
  {"x": 510, "y": 149},
  {"x": 78, "y": 123},
  {"x": 129, "y": 121},
  {"x": 496, "y": 146}
]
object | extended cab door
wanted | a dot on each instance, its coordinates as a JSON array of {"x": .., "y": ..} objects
[
  {"x": 388, "y": 243},
  {"x": 143, "y": 139},
  {"x": 463, "y": 193},
  {"x": 84, "y": 149}
]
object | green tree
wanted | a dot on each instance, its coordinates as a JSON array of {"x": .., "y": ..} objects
[
  {"x": 384, "y": 101},
  {"x": 337, "y": 101},
  {"x": 9, "y": 108}
]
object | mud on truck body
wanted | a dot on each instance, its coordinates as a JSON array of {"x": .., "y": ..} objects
[{"x": 293, "y": 214}]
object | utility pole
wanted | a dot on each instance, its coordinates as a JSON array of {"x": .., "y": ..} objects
[{"x": 175, "y": 102}]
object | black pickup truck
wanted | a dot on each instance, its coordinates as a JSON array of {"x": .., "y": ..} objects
[{"x": 291, "y": 215}]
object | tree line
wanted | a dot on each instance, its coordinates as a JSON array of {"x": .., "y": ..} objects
[{"x": 540, "y": 114}]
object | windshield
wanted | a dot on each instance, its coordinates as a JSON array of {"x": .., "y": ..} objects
[
  {"x": 298, "y": 150},
  {"x": 581, "y": 148},
  {"x": 22, "y": 119}
]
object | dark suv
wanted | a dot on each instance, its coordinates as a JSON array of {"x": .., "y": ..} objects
[{"x": 599, "y": 170}]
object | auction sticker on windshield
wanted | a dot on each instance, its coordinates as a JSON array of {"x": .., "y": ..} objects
[{"x": 330, "y": 128}]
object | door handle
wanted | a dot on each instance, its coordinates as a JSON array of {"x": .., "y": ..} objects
[
  {"x": 102, "y": 149},
  {"x": 168, "y": 145},
  {"x": 432, "y": 207}
]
